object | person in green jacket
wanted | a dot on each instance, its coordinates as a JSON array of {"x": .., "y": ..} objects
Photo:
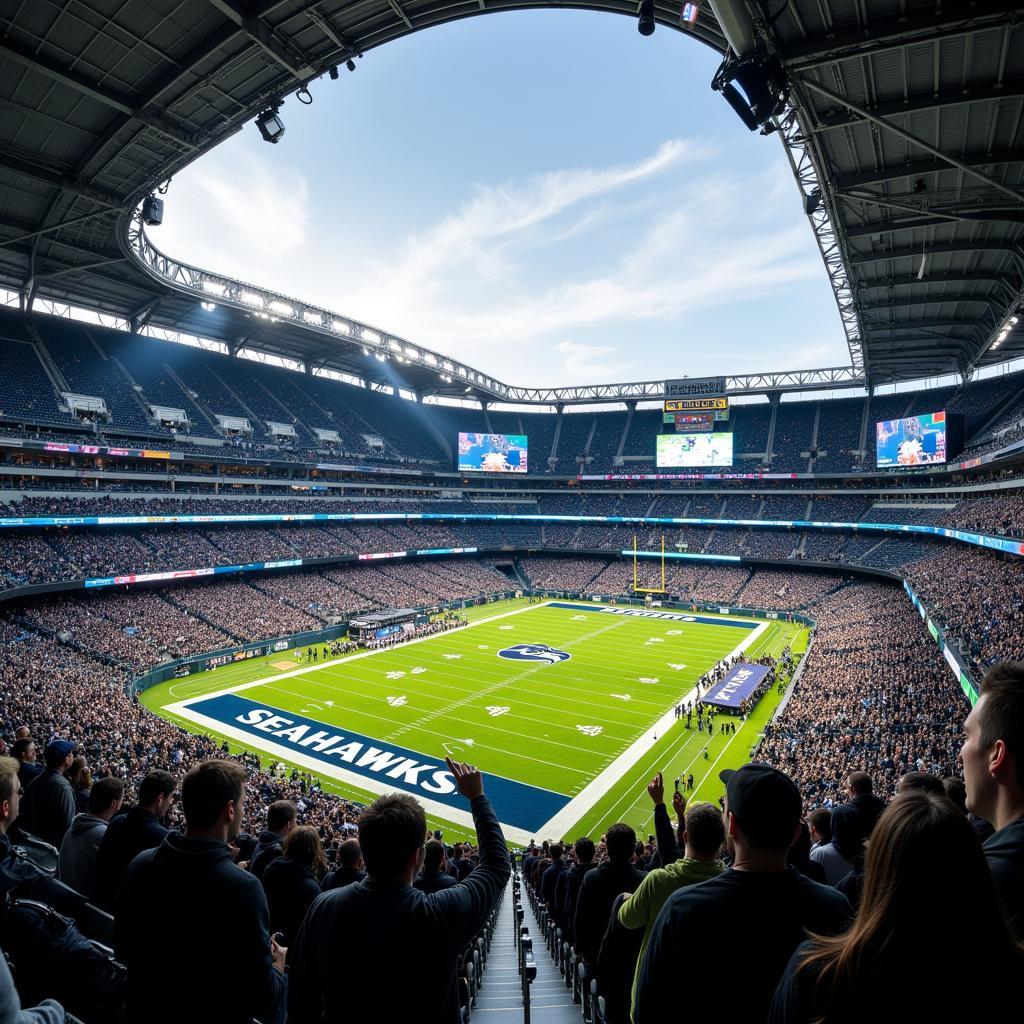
[{"x": 702, "y": 836}]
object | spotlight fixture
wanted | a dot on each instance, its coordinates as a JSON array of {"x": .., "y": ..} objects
[
  {"x": 332, "y": 73},
  {"x": 153, "y": 211},
  {"x": 350, "y": 64},
  {"x": 812, "y": 201},
  {"x": 270, "y": 124},
  {"x": 755, "y": 86},
  {"x": 645, "y": 17}
]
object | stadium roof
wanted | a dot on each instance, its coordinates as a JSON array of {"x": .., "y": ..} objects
[{"x": 905, "y": 133}]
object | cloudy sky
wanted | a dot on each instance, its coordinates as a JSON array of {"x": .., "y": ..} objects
[{"x": 546, "y": 195}]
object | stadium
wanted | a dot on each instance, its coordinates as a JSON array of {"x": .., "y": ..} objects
[{"x": 264, "y": 565}]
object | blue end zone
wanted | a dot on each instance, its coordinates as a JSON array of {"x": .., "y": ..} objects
[
  {"x": 643, "y": 613},
  {"x": 516, "y": 803}
]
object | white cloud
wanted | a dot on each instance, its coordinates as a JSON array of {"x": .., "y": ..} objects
[
  {"x": 589, "y": 363},
  {"x": 570, "y": 276},
  {"x": 237, "y": 213}
]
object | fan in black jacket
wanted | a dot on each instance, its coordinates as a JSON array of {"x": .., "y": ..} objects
[
  {"x": 381, "y": 950},
  {"x": 291, "y": 882},
  {"x": 130, "y": 833},
  {"x": 187, "y": 903},
  {"x": 599, "y": 889}
]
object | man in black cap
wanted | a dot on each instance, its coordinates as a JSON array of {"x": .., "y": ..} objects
[
  {"x": 49, "y": 804},
  {"x": 752, "y": 916}
]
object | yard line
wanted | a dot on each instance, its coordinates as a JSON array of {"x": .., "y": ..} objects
[{"x": 455, "y": 739}]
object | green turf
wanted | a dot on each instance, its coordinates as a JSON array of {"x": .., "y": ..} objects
[{"x": 435, "y": 696}]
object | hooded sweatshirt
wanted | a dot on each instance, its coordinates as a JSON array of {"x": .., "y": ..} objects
[
  {"x": 187, "y": 905},
  {"x": 78, "y": 852}
]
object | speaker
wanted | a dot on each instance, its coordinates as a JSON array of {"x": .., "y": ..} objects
[{"x": 153, "y": 211}]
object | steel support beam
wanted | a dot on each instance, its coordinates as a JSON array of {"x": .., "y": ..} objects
[
  {"x": 55, "y": 227},
  {"x": 55, "y": 179},
  {"x": 296, "y": 65},
  {"x": 913, "y": 139},
  {"x": 928, "y": 23},
  {"x": 938, "y": 249},
  {"x": 919, "y": 168},
  {"x": 999, "y": 214},
  {"x": 840, "y": 117},
  {"x": 80, "y": 84}
]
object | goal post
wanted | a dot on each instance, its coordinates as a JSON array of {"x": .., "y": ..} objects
[{"x": 637, "y": 589}]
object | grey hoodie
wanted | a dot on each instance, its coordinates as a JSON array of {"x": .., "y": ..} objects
[{"x": 77, "y": 864}]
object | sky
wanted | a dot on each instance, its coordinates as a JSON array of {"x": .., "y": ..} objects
[{"x": 546, "y": 195}]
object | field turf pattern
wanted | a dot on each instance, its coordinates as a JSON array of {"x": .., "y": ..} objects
[{"x": 537, "y": 740}]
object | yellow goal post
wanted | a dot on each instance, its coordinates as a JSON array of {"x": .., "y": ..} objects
[{"x": 637, "y": 589}]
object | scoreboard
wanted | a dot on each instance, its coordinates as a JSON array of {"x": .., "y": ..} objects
[
  {"x": 700, "y": 422},
  {"x": 695, "y": 404},
  {"x": 699, "y": 415}
]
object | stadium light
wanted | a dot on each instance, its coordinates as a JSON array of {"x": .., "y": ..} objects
[
  {"x": 208, "y": 306},
  {"x": 645, "y": 17},
  {"x": 755, "y": 86},
  {"x": 350, "y": 64},
  {"x": 270, "y": 124},
  {"x": 332, "y": 73}
]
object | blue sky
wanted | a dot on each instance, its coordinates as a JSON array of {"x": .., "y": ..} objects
[{"x": 546, "y": 195}]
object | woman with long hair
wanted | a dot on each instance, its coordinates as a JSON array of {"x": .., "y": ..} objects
[
  {"x": 80, "y": 778},
  {"x": 927, "y": 894},
  {"x": 292, "y": 881}
]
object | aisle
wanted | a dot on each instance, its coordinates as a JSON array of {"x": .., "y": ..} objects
[{"x": 500, "y": 1000}]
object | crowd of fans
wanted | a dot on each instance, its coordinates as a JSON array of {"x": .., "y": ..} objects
[
  {"x": 874, "y": 694},
  {"x": 872, "y": 697}
]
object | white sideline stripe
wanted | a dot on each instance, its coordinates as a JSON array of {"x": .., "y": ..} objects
[{"x": 601, "y": 784}]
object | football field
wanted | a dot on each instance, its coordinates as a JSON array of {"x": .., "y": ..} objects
[{"x": 565, "y": 706}]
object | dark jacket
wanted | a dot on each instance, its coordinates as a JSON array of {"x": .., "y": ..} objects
[
  {"x": 383, "y": 951},
  {"x": 187, "y": 903},
  {"x": 340, "y": 877},
  {"x": 28, "y": 772},
  {"x": 268, "y": 849},
  {"x": 869, "y": 809},
  {"x": 567, "y": 892},
  {"x": 594, "y": 906},
  {"x": 434, "y": 882},
  {"x": 1004, "y": 851},
  {"x": 548, "y": 883},
  {"x": 78, "y": 853},
  {"x": 616, "y": 964},
  {"x": 290, "y": 888},
  {"x": 127, "y": 836},
  {"x": 760, "y": 917},
  {"x": 667, "y": 851},
  {"x": 48, "y": 807}
]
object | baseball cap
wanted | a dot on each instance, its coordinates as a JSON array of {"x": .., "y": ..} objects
[
  {"x": 765, "y": 802},
  {"x": 56, "y": 751}
]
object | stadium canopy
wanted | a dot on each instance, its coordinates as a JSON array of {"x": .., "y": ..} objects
[{"x": 904, "y": 128}]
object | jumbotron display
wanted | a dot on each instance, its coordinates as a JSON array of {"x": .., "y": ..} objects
[
  {"x": 713, "y": 449},
  {"x": 911, "y": 441},
  {"x": 493, "y": 453}
]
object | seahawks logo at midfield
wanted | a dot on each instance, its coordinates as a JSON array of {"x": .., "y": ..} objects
[{"x": 534, "y": 652}]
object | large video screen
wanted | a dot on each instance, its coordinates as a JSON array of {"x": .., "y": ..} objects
[
  {"x": 493, "y": 453},
  {"x": 694, "y": 450},
  {"x": 911, "y": 441}
]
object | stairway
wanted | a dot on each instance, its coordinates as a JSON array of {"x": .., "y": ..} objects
[{"x": 500, "y": 1000}]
